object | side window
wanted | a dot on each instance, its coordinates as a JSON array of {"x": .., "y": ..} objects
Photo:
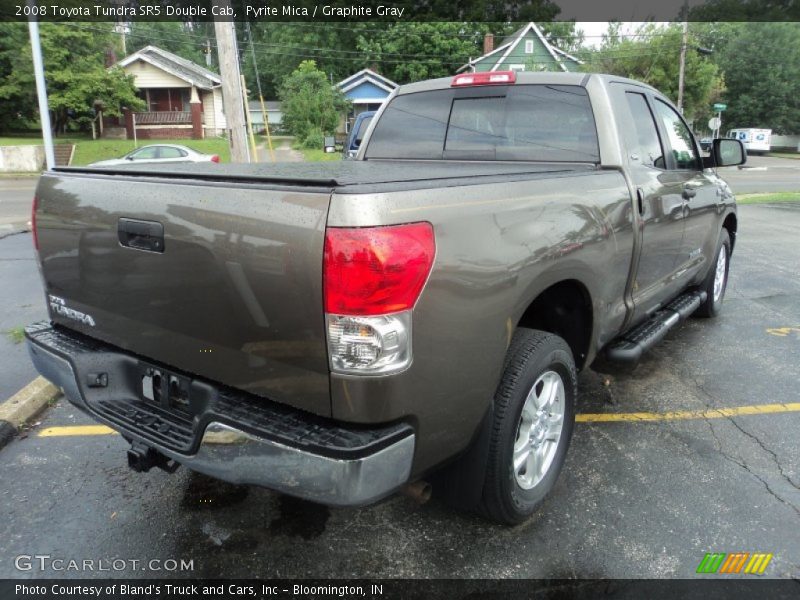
[
  {"x": 169, "y": 152},
  {"x": 145, "y": 153},
  {"x": 648, "y": 146},
  {"x": 680, "y": 138}
]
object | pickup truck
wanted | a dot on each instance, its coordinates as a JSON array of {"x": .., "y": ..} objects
[{"x": 417, "y": 316}]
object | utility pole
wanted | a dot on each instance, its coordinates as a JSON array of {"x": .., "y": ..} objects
[
  {"x": 208, "y": 53},
  {"x": 232, "y": 94},
  {"x": 41, "y": 92},
  {"x": 682, "y": 70}
]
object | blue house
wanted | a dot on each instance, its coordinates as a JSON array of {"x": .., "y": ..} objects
[{"x": 366, "y": 90}]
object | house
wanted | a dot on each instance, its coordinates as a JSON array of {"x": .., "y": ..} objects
[
  {"x": 274, "y": 115},
  {"x": 527, "y": 49},
  {"x": 366, "y": 90},
  {"x": 183, "y": 99}
]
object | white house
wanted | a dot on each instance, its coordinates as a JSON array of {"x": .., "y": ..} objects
[{"x": 184, "y": 100}]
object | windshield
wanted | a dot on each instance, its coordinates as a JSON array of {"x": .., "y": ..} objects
[{"x": 545, "y": 123}]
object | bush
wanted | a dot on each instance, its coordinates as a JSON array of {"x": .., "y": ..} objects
[
  {"x": 314, "y": 139},
  {"x": 311, "y": 106}
]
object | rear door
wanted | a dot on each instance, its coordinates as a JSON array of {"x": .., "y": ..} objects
[{"x": 221, "y": 280}]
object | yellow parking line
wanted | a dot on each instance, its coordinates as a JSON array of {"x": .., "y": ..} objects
[
  {"x": 678, "y": 415},
  {"x": 711, "y": 413},
  {"x": 76, "y": 430}
]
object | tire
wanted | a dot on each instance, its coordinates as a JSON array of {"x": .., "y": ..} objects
[
  {"x": 537, "y": 364},
  {"x": 719, "y": 269}
]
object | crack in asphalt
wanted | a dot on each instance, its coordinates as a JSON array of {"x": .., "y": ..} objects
[{"x": 755, "y": 438}]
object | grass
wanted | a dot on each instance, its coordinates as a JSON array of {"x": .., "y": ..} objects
[
  {"x": 315, "y": 155},
  {"x": 794, "y": 155},
  {"x": 16, "y": 335},
  {"x": 89, "y": 150},
  {"x": 768, "y": 198}
]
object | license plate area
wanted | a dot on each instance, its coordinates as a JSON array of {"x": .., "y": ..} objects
[{"x": 166, "y": 389}]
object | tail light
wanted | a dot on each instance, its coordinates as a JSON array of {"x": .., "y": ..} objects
[
  {"x": 215, "y": 158},
  {"x": 372, "y": 277},
  {"x": 34, "y": 206},
  {"x": 485, "y": 78}
]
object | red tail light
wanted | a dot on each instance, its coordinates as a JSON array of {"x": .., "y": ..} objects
[
  {"x": 376, "y": 270},
  {"x": 486, "y": 78},
  {"x": 215, "y": 158},
  {"x": 34, "y": 206}
]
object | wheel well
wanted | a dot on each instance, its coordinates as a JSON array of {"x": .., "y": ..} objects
[
  {"x": 730, "y": 224},
  {"x": 566, "y": 310}
]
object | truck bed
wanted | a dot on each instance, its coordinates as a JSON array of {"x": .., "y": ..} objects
[{"x": 350, "y": 176}]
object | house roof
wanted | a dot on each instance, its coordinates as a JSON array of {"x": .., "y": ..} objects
[
  {"x": 174, "y": 65},
  {"x": 513, "y": 40},
  {"x": 369, "y": 75}
]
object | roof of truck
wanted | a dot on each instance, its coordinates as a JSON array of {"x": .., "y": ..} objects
[{"x": 525, "y": 77}]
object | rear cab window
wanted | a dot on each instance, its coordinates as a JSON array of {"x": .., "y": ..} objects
[{"x": 544, "y": 123}]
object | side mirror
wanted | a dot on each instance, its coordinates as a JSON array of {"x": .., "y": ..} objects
[
  {"x": 357, "y": 143},
  {"x": 728, "y": 152}
]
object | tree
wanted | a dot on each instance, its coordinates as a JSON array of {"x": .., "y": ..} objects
[
  {"x": 75, "y": 73},
  {"x": 187, "y": 40},
  {"x": 311, "y": 106},
  {"x": 652, "y": 56},
  {"x": 761, "y": 62}
]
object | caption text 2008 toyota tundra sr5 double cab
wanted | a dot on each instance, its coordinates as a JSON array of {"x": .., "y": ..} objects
[{"x": 336, "y": 331}]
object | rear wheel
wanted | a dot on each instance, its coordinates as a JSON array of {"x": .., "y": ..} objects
[
  {"x": 533, "y": 421},
  {"x": 716, "y": 281}
]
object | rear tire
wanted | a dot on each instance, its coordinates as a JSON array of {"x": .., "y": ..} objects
[
  {"x": 716, "y": 281},
  {"x": 534, "y": 417}
]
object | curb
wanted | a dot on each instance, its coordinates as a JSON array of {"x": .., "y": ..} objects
[{"x": 24, "y": 406}]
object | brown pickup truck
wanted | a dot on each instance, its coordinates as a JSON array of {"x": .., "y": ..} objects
[{"x": 337, "y": 331}]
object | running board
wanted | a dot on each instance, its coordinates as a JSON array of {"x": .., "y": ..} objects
[{"x": 630, "y": 346}]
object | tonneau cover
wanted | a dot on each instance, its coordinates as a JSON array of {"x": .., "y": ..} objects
[{"x": 337, "y": 174}]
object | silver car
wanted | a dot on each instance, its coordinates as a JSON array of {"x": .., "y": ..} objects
[{"x": 159, "y": 153}]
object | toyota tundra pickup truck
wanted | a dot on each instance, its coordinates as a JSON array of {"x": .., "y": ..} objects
[{"x": 339, "y": 331}]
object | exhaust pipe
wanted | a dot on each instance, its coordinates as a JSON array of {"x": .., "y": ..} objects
[{"x": 419, "y": 491}]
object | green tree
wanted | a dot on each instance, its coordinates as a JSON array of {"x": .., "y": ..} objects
[
  {"x": 761, "y": 62},
  {"x": 187, "y": 40},
  {"x": 652, "y": 56},
  {"x": 75, "y": 73},
  {"x": 311, "y": 106}
]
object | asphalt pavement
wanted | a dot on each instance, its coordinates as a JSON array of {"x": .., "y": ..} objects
[{"x": 636, "y": 498}]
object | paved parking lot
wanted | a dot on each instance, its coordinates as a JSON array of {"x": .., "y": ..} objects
[{"x": 636, "y": 499}]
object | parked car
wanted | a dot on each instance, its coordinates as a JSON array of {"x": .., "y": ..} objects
[
  {"x": 705, "y": 144},
  {"x": 159, "y": 153},
  {"x": 337, "y": 331},
  {"x": 357, "y": 133}
]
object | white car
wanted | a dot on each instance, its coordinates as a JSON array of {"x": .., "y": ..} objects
[{"x": 159, "y": 153}]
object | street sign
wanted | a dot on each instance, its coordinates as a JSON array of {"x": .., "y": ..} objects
[
  {"x": 714, "y": 123},
  {"x": 720, "y": 107}
]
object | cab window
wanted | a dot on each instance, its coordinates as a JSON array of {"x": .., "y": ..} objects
[
  {"x": 681, "y": 142},
  {"x": 646, "y": 145}
]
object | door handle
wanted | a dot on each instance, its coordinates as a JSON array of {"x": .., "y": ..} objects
[
  {"x": 689, "y": 192},
  {"x": 640, "y": 200},
  {"x": 141, "y": 235}
]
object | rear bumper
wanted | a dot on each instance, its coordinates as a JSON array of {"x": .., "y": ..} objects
[{"x": 230, "y": 435}]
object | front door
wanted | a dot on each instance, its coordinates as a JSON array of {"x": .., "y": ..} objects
[
  {"x": 699, "y": 192},
  {"x": 659, "y": 205}
]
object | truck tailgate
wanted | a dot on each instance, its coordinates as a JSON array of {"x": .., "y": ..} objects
[{"x": 212, "y": 278}]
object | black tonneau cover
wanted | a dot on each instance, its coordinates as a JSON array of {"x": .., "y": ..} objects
[{"x": 336, "y": 174}]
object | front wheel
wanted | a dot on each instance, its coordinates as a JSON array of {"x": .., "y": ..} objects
[
  {"x": 533, "y": 420},
  {"x": 716, "y": 281}
]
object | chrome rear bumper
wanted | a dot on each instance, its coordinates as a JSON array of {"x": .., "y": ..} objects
[{"x": 337, "y": 475}]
